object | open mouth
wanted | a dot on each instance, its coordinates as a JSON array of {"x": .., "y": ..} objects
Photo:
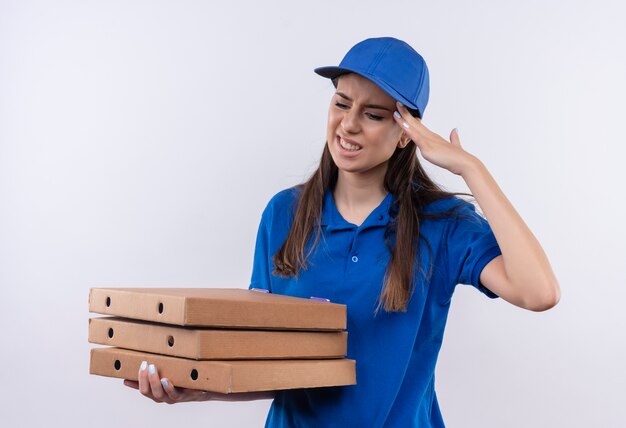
[{"x": 348, "y": 146}]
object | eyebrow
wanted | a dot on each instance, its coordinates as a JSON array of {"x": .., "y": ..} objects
[{"x": 342, "y": 95}]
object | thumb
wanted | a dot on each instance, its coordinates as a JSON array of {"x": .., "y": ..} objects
[
  {"x": 454, "y": 137},
  {"x": 131, "y": 383}
]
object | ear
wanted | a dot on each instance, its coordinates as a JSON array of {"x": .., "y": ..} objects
[{"x": 404, "y": 140}]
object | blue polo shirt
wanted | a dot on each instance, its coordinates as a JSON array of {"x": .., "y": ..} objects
[{"x": 395, "y": 352}]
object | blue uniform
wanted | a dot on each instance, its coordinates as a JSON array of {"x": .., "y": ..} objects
[{"x": 395, "y": 352}]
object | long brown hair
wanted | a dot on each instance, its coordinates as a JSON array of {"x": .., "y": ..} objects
[{"x": 413, "y": 189}]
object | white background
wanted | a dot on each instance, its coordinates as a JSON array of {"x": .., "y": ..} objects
[{"x": 141, "y": 140}]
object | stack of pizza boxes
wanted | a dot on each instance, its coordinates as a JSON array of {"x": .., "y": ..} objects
[{"x": 224, "y": 340}]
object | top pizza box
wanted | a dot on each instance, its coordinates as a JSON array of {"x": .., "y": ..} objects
[{"x": 218, "y": 307}]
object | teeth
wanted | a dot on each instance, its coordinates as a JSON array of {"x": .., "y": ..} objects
[{"x": 348, "y": 146}]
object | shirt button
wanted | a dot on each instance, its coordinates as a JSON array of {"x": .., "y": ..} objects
[{"x": 355, "y": 259}]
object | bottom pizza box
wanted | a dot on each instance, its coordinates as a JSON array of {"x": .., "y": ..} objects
[{"x": 226, "y": 376}]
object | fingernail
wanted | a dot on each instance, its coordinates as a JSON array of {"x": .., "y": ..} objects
[
  {"x": 396, "y": 114},
  {"x": 151, "y": 369},
  {"x": 406, "y": 125},
  {"x": 457, "y": 130},
  {"x": 143, "y": 365},
  {"x": 400, "y": 104},
  {"x": 164, "y": 382}
]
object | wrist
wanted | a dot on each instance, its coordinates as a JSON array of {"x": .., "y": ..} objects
[{"x": 472, "y": 166}]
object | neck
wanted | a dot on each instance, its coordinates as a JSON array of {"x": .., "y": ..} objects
[{"x": 360, "y": 190}]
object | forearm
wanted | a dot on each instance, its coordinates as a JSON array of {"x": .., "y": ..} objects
[
  {"x": 526, "y": 264},
  {"x": 239, "y": 396}
]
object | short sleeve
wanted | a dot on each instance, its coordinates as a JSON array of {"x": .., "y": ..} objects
[
  {"x": 470, "y": 245},
  {"x": 262, "y": 263}
]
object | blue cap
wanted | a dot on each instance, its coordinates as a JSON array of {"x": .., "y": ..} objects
[{"x": 391, "y": 64}]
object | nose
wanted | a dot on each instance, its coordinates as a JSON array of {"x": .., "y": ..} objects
[{"x": 350, "y": 121}]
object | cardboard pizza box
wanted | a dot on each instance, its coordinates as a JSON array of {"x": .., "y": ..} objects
[
  {"x": 218, "y": 307},
  {"x": 227, "y": 376},
  {"x": 213, "y": 343}
]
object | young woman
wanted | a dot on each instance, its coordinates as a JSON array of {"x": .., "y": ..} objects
[{"x": 371, "y": 230}]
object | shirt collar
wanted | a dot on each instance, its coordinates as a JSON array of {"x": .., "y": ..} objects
[{"x": 332, "y": 219}]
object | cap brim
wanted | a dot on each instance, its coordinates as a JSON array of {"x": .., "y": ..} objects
[{"x": 331, "y": 72}]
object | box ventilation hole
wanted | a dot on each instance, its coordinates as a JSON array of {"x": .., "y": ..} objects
[
  {"x": 194, "y": 374},
  {"x": 160, "y": 308},
  {"x": 110, "y": 333},
  {"x": 108, "y": 302},
  {"x": 117, "y": 364},
  {"x": 170, "y": 341}
]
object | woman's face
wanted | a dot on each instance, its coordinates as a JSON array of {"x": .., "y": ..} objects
[{"x": 362, "y": 134}]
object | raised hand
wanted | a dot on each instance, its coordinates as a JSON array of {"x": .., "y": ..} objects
[{"x": 434, "y": 148}]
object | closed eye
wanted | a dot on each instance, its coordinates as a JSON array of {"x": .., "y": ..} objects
[
  {"x": 370, "y": 115},
  {"x": 374, "y": 117}
]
